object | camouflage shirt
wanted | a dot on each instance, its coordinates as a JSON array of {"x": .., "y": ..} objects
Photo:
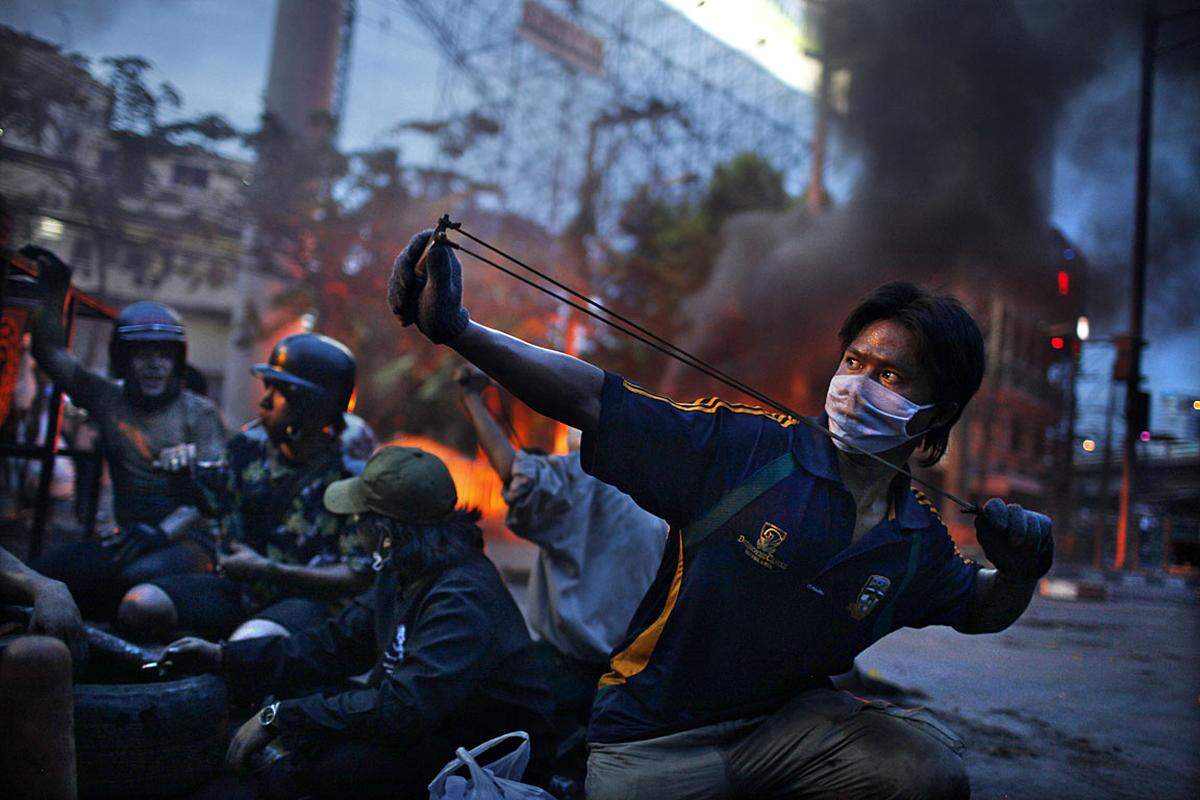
[{"x": 276, "y": 507}]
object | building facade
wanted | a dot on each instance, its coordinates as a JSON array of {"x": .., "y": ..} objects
[{"x": 138, "y": 218}]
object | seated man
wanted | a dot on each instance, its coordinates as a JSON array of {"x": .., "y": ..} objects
[
  {"x": 140, "y": 414},
  {"x": 789, "y": 554},
  {"x": 597, "y": 554},
  {"x": 451, "y": 662},
  {"x": 286, "y": 561},
  {"x": 38, "y": 757}
]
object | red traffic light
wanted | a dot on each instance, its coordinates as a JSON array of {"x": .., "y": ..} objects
[{"x": 1057, "y": 342}]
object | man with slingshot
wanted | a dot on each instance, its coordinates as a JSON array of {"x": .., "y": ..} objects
[{"x": 795, "y": 544}]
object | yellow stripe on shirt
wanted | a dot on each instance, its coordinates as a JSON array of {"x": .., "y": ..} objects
[
  {"x": 634, "y": 658},
  {"x": 710, "y": 405}
]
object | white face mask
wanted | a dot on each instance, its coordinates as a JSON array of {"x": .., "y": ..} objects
[{"x": 868, "y": 414}]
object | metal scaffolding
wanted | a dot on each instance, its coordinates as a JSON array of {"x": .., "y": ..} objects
[{"x": 553, "y": 133}]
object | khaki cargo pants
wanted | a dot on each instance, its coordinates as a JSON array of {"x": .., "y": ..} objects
[{"x": 823, "y": 744}]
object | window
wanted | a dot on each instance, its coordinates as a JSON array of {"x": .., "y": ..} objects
[
  {"x": 187, "y": 175},
  {"x": 49, "y": 228}
]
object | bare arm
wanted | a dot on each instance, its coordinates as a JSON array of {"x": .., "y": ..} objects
[
  {"x": 553, "y": 384},
  {"x": 49, "y": 335},
  {"x": 997, "y": 603},
  {"x": 19, "y": 583},
  {"x": 54, "y": 610},
  {"x": 332, "y": 579},
  {"x": 495, "y": 444},
  {"x": 245, "y": 563}
]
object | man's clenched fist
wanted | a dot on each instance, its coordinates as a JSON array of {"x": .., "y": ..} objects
[
  {"x": 404, "y": 285},
  {"x": 1018, "y": 542},
  {"x": 432, "y": 300}
]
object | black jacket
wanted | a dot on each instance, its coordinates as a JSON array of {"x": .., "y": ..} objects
[{"x": 451, "y": 658}]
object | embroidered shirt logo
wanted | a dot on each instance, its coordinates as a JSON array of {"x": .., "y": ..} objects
[
  {"x": 869, "y": 596},
  {"x": 763, "y": 551}
]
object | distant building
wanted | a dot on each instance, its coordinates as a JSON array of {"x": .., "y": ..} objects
[
  {"x": 1176, "y": 415},
  {"x": 137, "y": 219},
  {"x": 1015, "y": 439}
]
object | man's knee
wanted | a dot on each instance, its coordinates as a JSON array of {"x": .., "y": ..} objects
[
  {"x": 147, "y": 612},
  {"x": 916, "y": 756},
  {"x": 35, "y": 665},
  {"x": 256, "y": 628},
  {"x": 940, "y": 775}
]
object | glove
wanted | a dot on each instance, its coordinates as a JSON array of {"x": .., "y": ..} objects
[
  {"x": 1018, "y": 542},
  {"x": 440, "y": 314},
  {"x": 404, "y": 285},
  {"x": 54, "y": 276}
]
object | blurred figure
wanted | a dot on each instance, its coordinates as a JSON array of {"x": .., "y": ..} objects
[
  {"x": 451, "y": 663},
  {"x": 286, "y": 562},
  {"x": 141, "y": 413},
  {"x": 597, "y": 554},
  {"x": 38, "y": 757},
  {"x": 358, "y": 440},
  {"x": 27, "y": 423}
]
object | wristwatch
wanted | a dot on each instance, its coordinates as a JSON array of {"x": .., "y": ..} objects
[{"x": 266, "y": 717}]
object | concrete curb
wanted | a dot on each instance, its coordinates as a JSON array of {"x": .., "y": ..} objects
[{"x": 1095, "y": 585}]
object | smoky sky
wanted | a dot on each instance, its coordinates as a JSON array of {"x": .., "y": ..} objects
[
  {"x": 978, "y": 126},
  {"x": 977, "y": 119}
]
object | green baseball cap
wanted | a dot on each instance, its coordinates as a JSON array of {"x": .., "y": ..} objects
[{"x": 405, "y": 483}]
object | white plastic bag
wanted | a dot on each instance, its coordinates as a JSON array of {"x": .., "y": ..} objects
[{"x": 498, "y": 780}]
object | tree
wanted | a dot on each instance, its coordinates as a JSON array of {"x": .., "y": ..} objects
[{"x": 675, "y": 245}]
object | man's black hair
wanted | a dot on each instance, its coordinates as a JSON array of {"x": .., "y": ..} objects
[
  {"x": 949, "y": 340},
  {"x": 421, "y": 550}
]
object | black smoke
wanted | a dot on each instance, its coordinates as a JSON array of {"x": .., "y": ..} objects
[{"x": 957, "y": 112}]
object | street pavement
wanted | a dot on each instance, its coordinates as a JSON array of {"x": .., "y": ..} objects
[{"x": 1076, "y": 700}]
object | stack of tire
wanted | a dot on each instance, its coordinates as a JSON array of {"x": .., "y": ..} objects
[{"x": 149, "y": 740}]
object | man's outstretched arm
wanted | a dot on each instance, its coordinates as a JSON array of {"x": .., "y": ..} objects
[
  {"x": 54, "y": 610},
  {"x": 551, "y": 383},
  {"x": 998, "y": 602},
  {"x": 49, "y": 336},
  {"x": 499, "y": 451},
  {"x": 246, "y": 563}
]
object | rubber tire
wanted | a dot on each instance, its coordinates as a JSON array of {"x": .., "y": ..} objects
[{"x": 150, "y": 740}]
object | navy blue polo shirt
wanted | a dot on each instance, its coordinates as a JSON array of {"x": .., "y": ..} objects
[{"x": 776, "y": 598}]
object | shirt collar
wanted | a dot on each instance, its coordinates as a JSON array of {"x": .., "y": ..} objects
[
  {"x": 909, "y": 511},
  {"x": 818, "y": 455},
  {"x": 816, "y": 451}
]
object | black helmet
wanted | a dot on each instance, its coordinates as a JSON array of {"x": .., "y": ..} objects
[
  {"x": 313, "y": 371},
  {"x": 145, "y": 321}
]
